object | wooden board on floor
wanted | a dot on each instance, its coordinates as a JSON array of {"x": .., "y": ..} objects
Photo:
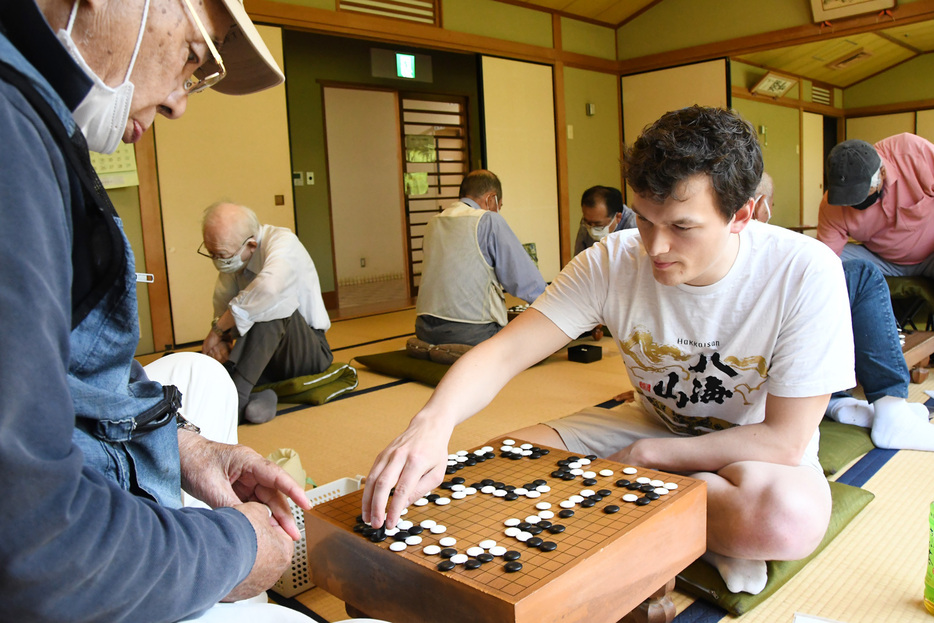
[
  {"x": 604, "y": 566},
  {"x": 919, "y": 346}
]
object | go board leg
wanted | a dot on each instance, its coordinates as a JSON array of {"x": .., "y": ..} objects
[{"x": 658, "y": 608}]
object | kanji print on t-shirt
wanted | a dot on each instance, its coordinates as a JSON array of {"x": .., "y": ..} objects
[{"x": 677, "y": 379}]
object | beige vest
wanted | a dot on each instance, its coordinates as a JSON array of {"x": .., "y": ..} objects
[{"x": 457, "y": 283}]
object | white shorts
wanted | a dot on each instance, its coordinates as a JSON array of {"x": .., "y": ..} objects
[{"x": 604, "y": 432}]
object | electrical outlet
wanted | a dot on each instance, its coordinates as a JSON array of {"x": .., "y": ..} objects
[{"x": 362, "y": 262}]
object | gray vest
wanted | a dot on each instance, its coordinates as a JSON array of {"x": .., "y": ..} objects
[{"x": 457, "y": 282}]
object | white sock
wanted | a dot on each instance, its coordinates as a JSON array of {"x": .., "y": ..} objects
[
  {"x": 896, "y": 426},
  {"x": 850, "y": 411},
  {"x": 920, "y": 410},
  {"x": 740, "y": 574}
]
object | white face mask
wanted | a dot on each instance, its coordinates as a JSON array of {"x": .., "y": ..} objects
[
  {"x": 599, "y": 233},
  {"x": 763, "y": 211},
  {"x": 103, "y": 114},
  {"x": 876, "y": 179},
  {"x": 231, "y": 264}
]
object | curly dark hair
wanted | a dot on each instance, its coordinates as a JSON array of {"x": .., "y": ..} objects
[{"x": 691, "y": 141}]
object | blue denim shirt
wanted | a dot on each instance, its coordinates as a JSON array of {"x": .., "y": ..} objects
[{"x": 110, "y": 390}]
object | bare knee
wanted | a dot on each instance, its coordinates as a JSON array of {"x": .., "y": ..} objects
[{"x": 754, "y": 515}]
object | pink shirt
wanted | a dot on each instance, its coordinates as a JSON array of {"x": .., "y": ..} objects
[{"x": 900, "y": 227}]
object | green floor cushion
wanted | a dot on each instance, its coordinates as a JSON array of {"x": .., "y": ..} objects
[
  {"x": 704, "y": 581},
  {"x": 315, "y": 389},
  {"x": 840, "y": 444},
  {"x": 400, "y": 365}
]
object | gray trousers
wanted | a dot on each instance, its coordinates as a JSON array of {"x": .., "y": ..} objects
[
  {"x": 278, "y": 350},
  {"x": 439, "y": 331}
]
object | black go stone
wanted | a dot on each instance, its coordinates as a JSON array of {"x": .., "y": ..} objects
[
  {"x": 512, "y": 495},
  {"x": 568, "y": 476},
  {"x": 652, "y": 495},
  {"x": 548, "y": 546},
  {"x": 529, "y": 486},
  {"x": 536, "y": 529},
  {"x": 401, "y": 535},
  {"x": 544, "y": 451},
  {"x": 446, "y": 485},
  {"x": 535, "y": 455},
  {"x": 604, "y": 492},
  {"x": 414, "y": 530},
  {"x": 486, "y": 482},
  {"x": 431, "y": 497},
  {"x": 457, "y": 480},
  {"x": 596, "y": 497},
  {"x": 610, "y": 509},
  {"x": 512, "y": 555},
  {"x": 446, "y": 565},
  {"x": 563, "y": 463},
  {"x": 510, "y": 487},
  {"x": 472, "y": 563},
  {"x": 646, "y": 488},
  {"x": 544, "y": 525},
  {"x": 470, "y": 462},
  {"x": 573, "y": 459},
  {"x": 558, "y": 473},
  {"x": 477, "y": 486},
  {"x": 643, "y": 501},
  {"x": 588, "y": 503},
  {"x": 368, "y": 531},
  {"x": 486, "y": 557},
  {"x": 622, "y": 482},
  {"x": 513, "y": 566},
  {"x": 591, "y": 457},
  {"x": 358, "y": 528},
  {"x": 515, "y": 456},
  {"x": 378, "y": 537},
  {"x": 564, "y": 514},
  {"x": 359, "y": 518},
  {"x": 450, "y": 469},
  {"x": 539, "y": 482},
  {"x": 499, "y": 485},
  {"x": 447, "y": 552},
  {"x": 534, "y": 541},
  {"x": 523, "y": 525},
  {"x": 590, "y": 481},
  {"x": 556, "y": 529},
  {"x": 634, "y": 486}
]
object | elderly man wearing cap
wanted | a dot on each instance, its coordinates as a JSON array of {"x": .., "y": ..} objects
[
  {"x": 94, "y": 451},
  {"x": 881, "y": 195}
]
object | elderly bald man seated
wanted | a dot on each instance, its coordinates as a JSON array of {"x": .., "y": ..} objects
[{"x": 269, "y": 318}]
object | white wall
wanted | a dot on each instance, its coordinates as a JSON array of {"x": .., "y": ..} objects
[{"x": 519, "y": 116}]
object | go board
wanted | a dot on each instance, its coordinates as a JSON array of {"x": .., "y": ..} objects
[{"x": 603, "y": 564}]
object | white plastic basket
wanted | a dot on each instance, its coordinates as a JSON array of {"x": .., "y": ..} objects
[{"x": 297, "y": 578}]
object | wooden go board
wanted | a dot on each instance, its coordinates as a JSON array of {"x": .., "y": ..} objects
[{"x": 604, "y": 565}]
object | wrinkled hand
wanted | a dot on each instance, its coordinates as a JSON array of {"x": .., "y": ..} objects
[
  {"x": 274, "y": 552},
  {"x": 216, "y": 346},
  {"x": 414, "y": 464},
  {"x": 229, "y": 475}
]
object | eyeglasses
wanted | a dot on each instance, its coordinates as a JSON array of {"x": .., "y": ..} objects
[
  {"x": 202, "y": 251},
  {"x": 196, "y": 84}
]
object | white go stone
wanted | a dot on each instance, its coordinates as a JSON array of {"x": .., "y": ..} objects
[
  {"x": 458, "y": 495},
  {"x": 566, "y": 504},
  {"x": 488, "y": 544},
  {"x": 474, "y": 551},
  {"x": 511, "y": 531},
  {"x": 459, "y": 559},
  {"x": 512, "y": 521},
  {"x": 661, "y": 491},
  {"x": 606, "y": 472},
  {"x": 428, "y": 524},
  {"x": 630, "y": 470},
  {"x": 523, "y": 536},
  {"x": 421, "y": 501},
  {"x": 543, "y": 488},
  {"x": 397, "y": 546},
  {"x": 487, "y": 489},
  {"x": 431, "y": 550},
  {"x": 630, "y": 497},
  {"x": 589, "y": 475},
  {"x": 533, "y": 519},
  {"x": 498, "y": 550},
  {"x": 438, "y": 529},
  {"x": 577, "y": 499},
  {"x": 533, "y": 494},
  {"x": 543, "y": 506},
  {"x": 509, "y": 442},
  {"x": 643, "y": 480},
  {"x": 443, "y": 501},
  {"x": 448, "y": 541},
  {"x": 413, "y": 540},
  {"x": 546, "y": 514},
  {"x": 671, "y": 486}
]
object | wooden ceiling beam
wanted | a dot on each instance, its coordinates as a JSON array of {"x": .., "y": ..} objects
[{"x": 903, "y": 14}]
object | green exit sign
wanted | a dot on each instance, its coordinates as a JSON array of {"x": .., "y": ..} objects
[{"x": 405, "y": 65}]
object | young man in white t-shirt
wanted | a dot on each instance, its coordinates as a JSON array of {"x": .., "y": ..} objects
[{"x": 729, "y": 330}]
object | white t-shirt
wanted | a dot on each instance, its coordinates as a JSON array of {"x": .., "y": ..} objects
[{"x": 704, "y": 358}]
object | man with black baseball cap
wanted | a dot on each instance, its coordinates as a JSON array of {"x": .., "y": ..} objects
[{"x": 881, "y": 195}]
